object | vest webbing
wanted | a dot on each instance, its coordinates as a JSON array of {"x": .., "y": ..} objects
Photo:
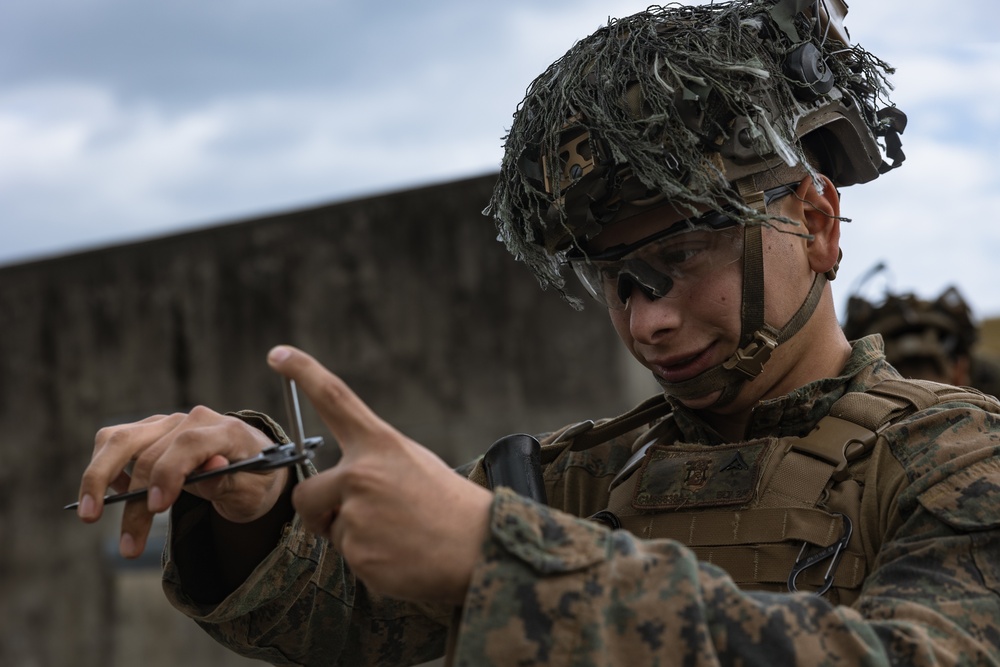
[
  {"x": 758, "y": 544},
  {"x": 587, "y": 434}
]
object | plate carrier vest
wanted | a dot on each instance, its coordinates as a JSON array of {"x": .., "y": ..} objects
[{"x": 777, "y": 514}]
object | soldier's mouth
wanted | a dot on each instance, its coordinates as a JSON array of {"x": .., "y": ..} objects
[{"x": 679, "y": 368}]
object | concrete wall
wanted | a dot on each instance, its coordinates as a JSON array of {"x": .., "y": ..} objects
[{"x": 408, "y": 296}]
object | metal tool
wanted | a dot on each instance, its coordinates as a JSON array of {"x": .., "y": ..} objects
[
  {"x": 276, "y": 456},
  {"x": 295, "y": 422}
]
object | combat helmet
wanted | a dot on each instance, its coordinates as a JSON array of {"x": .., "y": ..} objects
[
  {"x": 699, "y": 107},
  {"x": 931, "y": 332}
]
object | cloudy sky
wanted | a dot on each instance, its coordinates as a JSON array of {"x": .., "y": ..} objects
[{"x": 125, "y": 119}]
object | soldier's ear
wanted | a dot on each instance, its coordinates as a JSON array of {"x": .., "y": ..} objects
[{"x": 820, "y": 212}]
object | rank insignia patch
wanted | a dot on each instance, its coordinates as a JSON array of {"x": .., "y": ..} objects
[{"x": 690, "y": 476}]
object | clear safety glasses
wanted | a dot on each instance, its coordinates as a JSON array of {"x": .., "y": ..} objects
[{"x": 667, "y": 264}]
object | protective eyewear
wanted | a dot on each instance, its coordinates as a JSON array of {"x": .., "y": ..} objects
[{"x": 666, "y": 264}]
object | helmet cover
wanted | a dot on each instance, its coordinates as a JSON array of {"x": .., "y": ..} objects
[
  {"x": 675, "y": 104},
  {"x": 913, "y": 327}
]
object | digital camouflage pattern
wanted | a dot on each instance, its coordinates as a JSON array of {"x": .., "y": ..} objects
[{"x": 553, "y": 588}]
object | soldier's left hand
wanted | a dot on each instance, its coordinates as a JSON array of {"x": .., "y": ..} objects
[{"x": 404, "y": 521}]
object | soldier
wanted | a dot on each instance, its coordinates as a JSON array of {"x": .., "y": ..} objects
[
  {"x": 787, "y": 499},
  {"x": 932, "y": 340}
]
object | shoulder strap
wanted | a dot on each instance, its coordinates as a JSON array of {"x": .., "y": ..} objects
[
  {"x": 847, "y": 433},
  {"x": 885, "y": 403},
  {"x": 588, "y": 434}
]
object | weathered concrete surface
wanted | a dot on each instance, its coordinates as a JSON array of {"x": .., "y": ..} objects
[{"x": 408, "y": 296}]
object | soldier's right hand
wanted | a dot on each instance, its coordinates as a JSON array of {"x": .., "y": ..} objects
[{"x": 163, "y": 451}]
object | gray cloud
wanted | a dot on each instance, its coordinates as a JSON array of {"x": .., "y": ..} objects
[{"x": 121, "y": 118}]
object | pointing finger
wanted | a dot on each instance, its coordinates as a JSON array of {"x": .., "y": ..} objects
[{"x": 346, "y": 415}]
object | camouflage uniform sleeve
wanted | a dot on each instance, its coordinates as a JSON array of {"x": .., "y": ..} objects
[
  {"x": 301, "y": 605},
  {"x": 556, "y": 589}
]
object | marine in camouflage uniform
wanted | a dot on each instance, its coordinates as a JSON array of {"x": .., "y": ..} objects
[
  {"x": 554, "y": 589},
  {"x": 927, "y": 339},
  {"x": 787, "y": 499}
]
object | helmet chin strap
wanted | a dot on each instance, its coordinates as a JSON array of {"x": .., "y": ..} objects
[{"x": 757, "y": 338}]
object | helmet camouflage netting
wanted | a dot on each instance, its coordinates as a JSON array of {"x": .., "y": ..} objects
[
  {"x": 677, "y": 103},
  {"x": 910, "y": 325}
]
